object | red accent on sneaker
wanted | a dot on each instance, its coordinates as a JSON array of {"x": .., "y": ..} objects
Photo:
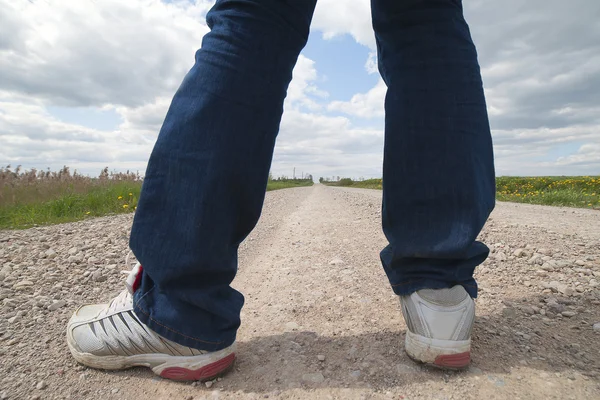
[
  {"x": 205, "y": 373},
  {"x": 138, "y": 280},
  {"x": 460, "y": 360}
]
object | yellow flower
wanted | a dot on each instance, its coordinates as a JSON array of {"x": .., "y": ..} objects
[
  {"x": 131, "y": 194},
  {"x": 119, "y": 198},
  {"x": 87, "y": 213},
  {"x": 135, "y": 207},
  {"x": 125, "y": 206}
]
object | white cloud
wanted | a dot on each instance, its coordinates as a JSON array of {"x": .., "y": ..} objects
[
  {"x": 371, "y": 64},
  {"x": 339, "y": 17},
  {"x": 302, "y": 89},
  {"x": 85, "y": 53},
  {"x": 587, "y": 157},
  {"x": 327, "y": 146},
  {"x": 364, "y": 105},
  {"x": 31, "y": 137}
]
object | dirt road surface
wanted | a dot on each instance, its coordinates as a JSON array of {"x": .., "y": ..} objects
[{"x": 320, "y": 321}]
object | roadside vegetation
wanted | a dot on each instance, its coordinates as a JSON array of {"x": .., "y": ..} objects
[
  {"x": 32, "y": 198},
  {"x": 568, "y": 191}
]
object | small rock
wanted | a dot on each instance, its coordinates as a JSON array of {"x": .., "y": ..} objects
[
  {"x": 528, "y": 310},
  {"x": 520, "y": 253},
  {"x": 355, "y": 374},
  {"x": 73, "y": 250},
  {"x": 2, "y": 276},
  {"x": 581, "y": 263},
  {"x": 50, "y": 253},
  {"x": 552, "y": 286},
  {"x": 500, "y": 256},
  {"x": 98, "y": 277},
  {"x": 22, "y": 284},
  {"x": 536, "y": 259},
  {"x": 316, "y": 377},
  {"x": 57, "y": 304},
  {"x": 555, "y": 307},
  {"x": 336, "y": 261},
  {"x": 292, "y": 326},
  {"x": 509, "y": 312},
  {"x": 115, "y": 391},
  {"x": 596, "y": 327},
  {"x": 567, "y": 291},
  {"x": 568, "y": 314},
  {"x": 548, "y": 266},
  {"x": 41, "y": 385},
  {"x": 321, "y": 357},
  {"x": 209, "y": 384}
]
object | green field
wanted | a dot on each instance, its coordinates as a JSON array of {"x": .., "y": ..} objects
[
  {"x": 31, "y": 198},
  {"x": 569, "y": 191}
]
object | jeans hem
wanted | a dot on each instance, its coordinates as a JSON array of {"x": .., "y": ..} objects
[
  {"x": 408, "y": 287},
  {"x": 171, "y": 334}
]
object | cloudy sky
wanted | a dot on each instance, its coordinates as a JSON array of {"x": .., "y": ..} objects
[{"x": 86, "y": 83}]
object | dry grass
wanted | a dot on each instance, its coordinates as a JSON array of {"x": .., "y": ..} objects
[{"x": 30, "y": 198}]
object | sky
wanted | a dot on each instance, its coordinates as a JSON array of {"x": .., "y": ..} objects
[{"x": 87, "y": 84}]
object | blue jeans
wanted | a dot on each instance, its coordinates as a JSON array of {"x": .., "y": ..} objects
[{"x": 206, "y": 178}]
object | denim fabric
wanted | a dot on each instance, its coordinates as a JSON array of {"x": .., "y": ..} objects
[{"x": 206, "y": 178}]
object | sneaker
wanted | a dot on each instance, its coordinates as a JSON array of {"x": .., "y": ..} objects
[
  {"x": 439, "y": 326},
  {"x": 110, "y": 336}
]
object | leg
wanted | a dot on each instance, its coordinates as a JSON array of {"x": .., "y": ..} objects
[
  {"x": 206, "y": 179},
  {"x": 202, "y": 195},
  {"x": 438, "y": 172},
  {"x": 438, "y": 186}
]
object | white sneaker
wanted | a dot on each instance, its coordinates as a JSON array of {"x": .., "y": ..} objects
[
  {"x": 439, "y": 326},
  {"x": 110, "y": 336}
]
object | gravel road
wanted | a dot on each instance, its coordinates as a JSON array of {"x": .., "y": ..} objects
[{"x": 320, "y": 321}]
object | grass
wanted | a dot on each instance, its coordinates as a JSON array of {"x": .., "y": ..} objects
[
  {"x": 33, "y": 198},
  {"x": 364, "y": 184},
  {"x": 283, "y": 183},
  {"x": 568, "y": 191}
]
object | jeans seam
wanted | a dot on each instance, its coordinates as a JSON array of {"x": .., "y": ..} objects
[
  {"x": 420, "y": 280},
  {"x": 138, "y": 307}
]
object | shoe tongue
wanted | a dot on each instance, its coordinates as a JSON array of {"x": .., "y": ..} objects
[{"x": 134, "y": 278}]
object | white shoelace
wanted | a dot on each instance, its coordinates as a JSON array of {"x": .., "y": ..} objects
[{"x": 125, "y": 298}]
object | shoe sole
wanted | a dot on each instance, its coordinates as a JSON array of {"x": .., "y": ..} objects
[
  {"x": 443, "y": 354},
  {"x": 202, "y": 368}
]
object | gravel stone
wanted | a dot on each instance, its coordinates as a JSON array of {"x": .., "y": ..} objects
[
  {"x": 98, "y": 277},
  {"x": 316, "y": 377},
  {"x": 57, "y": 304},
  {"x": 289, "y": 283}
]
